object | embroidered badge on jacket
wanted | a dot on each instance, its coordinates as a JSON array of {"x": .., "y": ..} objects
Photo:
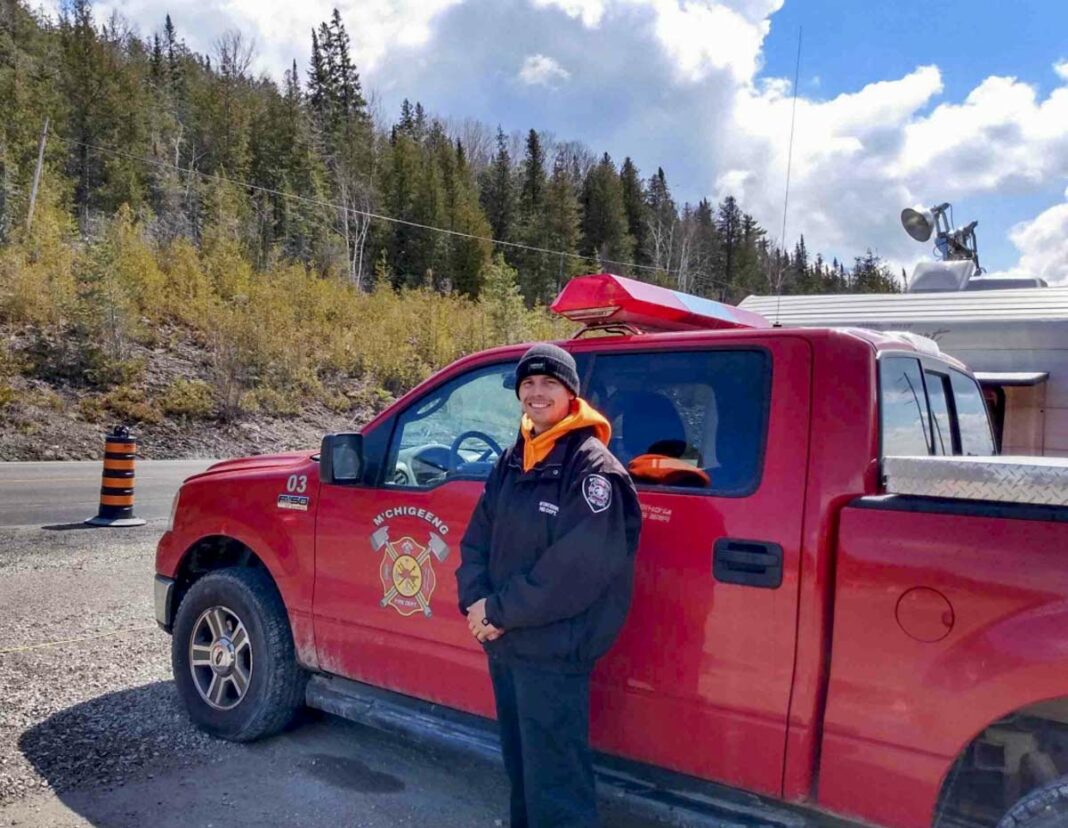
[
  {"x": 598, "y": 492},
  {"x": 548, "y": 508}
]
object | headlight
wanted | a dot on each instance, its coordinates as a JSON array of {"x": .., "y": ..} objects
[{"x": 174, "y": 510}]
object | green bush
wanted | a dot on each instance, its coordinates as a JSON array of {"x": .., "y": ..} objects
[{"x": 188, "y": 398}]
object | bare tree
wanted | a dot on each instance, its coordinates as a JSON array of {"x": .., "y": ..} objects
[{"x": 234, "y": 54}]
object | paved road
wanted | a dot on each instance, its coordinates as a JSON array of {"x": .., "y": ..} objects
[{"x": 66, "y": 492}]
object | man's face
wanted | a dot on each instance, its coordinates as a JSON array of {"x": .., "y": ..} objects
[{"x": 545, "y": 400}]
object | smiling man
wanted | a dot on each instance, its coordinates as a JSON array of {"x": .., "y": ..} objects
[{"x": 545, "y": 579}]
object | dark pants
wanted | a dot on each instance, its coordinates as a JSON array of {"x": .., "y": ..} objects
[{"x": 544, "y": 717}]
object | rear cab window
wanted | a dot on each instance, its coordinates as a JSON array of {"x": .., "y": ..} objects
[
  {"x": 976, "y": 436},
  {"x": 695, "y": 420},
  {"x": 929, "y": 408},
  {"x": 903, "y": 411}
]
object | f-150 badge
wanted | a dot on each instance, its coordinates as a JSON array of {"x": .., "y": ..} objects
[{"x": 407, "y": 574}]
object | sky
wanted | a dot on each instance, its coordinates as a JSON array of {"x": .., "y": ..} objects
[{"x": 898, "y": 104}]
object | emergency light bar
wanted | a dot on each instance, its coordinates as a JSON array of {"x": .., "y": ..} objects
[{"x": 604, "y": 300}]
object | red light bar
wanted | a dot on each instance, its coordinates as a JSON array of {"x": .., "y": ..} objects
[{"x": 605, "y": 299}]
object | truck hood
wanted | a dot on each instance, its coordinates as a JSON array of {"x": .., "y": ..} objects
[{"x": 261, "y": 462}]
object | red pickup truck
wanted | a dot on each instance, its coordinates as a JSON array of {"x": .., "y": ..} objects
[{"x": 843, "y": 600}]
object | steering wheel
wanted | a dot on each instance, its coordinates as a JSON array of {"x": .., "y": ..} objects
[{"x": 454, "y": 450}]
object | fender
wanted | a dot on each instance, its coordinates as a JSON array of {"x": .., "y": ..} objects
[
  {"x": 913, "y": 683},
  {"x": 268, "y": 507}
]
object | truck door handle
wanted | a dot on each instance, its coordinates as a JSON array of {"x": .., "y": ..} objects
[{"x": 748, "y": 563}]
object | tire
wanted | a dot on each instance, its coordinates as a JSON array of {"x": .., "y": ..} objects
[
  {"x": 1045, "y": 807},
  {"x": 233, "y": 658}
]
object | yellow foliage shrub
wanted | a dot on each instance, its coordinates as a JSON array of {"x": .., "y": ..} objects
[
  {"x": 188, "y": 398},
  {"x": 277, "y": 338},
  {"x": 92, "y": 408},
  {"x": 130, "y": 406}
]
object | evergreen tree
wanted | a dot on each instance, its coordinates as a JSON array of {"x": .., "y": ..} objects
[
  {"x": 661, "y": 218},
  {"x": 604, "y": 220},
  {"x": 468, "y": 257},
  {"x": 537, "y": 270},
  {"x": 871, "y": 275},
  {"x": 748, "y": 273},
  {"x": 532, "y": 185},
  {"x": 107, "y": 102},
  {"x": 729, "y": 231},
  {"x": 498, "y": 191},
  {"x": 706, "y": 280},
  {"x": 635, "y": 209},
  {"x": 562, "y": 229}
]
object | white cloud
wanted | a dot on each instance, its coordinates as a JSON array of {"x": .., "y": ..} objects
[
  {"x": 1061, "y": 68},
  {"x": 860, "y": 157},
  {"x": 539, "y": 70},
  {"x": 281, "y": 29},
  {"x": 589, "y": 12},
  {"x": 1043, "y": 245},
  {"x": 699, "y": 35}
]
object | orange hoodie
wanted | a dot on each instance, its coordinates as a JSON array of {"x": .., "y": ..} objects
[{"x": 583, "y": 415}]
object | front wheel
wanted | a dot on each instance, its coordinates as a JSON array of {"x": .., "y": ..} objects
[
  {"x": 233, "y": 658},
  {"x": 1045, "y": 807}
]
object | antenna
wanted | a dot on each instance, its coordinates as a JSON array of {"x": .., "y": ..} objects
[{"x": 789, "y": 165}]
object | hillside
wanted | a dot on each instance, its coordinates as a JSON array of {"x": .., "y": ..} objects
[
  {"x": 230, "y": 264},
  {"x": 41, "y": 420}
]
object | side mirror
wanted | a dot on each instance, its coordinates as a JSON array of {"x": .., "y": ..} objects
[{"x": 341, "y": 459}]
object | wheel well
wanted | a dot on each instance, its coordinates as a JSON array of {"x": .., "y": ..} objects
[
  {"x": 1005, "y": 761},
  {"x": 208, "y": 555}
]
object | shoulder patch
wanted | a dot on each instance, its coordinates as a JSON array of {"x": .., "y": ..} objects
[{"x": 597, "y": 490}]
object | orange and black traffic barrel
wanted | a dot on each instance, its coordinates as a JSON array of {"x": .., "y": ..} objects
[{"x": 117, "y": 485}]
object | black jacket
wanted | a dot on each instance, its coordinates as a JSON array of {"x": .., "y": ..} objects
[{"x": 552, "y": 551}]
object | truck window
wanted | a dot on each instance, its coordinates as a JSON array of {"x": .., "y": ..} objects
[
  {"x": 976, "y": 437},
  {"x": 938, "y": 394},
  {"x": 694, "y": 419},
  {"x": 903, "y": 409},
  {"x": 427, "y": 448}
]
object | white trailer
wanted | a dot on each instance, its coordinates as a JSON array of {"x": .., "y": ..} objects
[{"x": 1015, "y": 341}]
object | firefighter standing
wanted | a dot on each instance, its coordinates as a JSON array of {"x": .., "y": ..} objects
[{"x": 545, "y": 579}]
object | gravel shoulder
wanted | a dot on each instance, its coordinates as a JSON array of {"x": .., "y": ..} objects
[
  {"x": 92, "y": 732},
  {"x": 84, "y": 671}
]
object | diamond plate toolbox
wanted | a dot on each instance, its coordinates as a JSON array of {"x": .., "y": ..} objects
[{"x": 1042, "y": 480}]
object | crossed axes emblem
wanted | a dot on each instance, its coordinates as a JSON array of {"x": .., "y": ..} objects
[{"x": 435, "y": 546}]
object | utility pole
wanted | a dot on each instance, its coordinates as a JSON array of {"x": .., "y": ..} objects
[{"x": 37, "y": 175}]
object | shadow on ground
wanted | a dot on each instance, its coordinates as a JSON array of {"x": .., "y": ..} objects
[
  {"x": 115, "y": 738},
  {"x": 132, "y": 758}
]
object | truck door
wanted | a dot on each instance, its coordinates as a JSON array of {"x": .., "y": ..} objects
[
  {"x": 717, "y": 440},
  {"x": 386, "y": 552}
]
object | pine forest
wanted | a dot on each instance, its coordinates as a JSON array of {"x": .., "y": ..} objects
[{"x": 312, "y": 246}]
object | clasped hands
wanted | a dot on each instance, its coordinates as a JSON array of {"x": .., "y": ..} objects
[{"x": 479, "y": 625}]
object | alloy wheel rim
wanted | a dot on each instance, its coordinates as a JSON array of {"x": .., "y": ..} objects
[{"x": 220, "y": 658}]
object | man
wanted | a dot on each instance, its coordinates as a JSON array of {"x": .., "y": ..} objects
[{"x": 545, "y": 579}]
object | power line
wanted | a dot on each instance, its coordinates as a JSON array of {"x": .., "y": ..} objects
[{"x": 364, "y": 213}]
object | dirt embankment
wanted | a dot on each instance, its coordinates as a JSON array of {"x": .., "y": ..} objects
[{"x": 46, "y": 416}]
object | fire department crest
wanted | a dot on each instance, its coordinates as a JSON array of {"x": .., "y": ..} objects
[
  {"x": 406, "y": 570},
  {"x": 598, "y": 492}
]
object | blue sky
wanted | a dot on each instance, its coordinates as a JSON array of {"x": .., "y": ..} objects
[
  {"x": 849, "y": 43},
  {"x": 900, "y": 103}
]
